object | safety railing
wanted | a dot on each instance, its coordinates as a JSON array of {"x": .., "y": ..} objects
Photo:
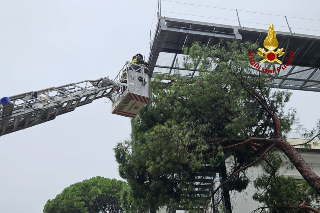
[{"x": 122, "y": 84}]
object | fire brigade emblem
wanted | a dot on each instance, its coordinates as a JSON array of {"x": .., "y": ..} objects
[{"x": 270, "y": 43}]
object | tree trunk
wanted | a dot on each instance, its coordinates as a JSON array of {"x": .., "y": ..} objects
[
  {"x": 300, "y": 164},
  {"x": 225, "y": 192}
]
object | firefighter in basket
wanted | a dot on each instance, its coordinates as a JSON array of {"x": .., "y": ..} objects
[{"x": 136, "y": 64}]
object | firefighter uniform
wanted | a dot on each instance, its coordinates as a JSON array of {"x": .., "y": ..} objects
[
  {"x": 124, "y": 79},
  {"x": 136, "y": 63}
]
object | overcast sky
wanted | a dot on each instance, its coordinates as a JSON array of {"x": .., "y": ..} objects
[{"x": 47, "y": 43}]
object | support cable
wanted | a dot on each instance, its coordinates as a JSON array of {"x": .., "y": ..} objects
[{"x": 247, "y": 11}]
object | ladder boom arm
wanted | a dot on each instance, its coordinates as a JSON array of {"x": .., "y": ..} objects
[{"x": 37, "y": 107}]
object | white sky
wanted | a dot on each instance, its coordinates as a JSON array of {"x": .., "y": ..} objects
[{"x": 45, "y": 43}]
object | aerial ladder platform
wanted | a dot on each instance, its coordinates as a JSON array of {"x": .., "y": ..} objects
[{"x": 29, "y": 109}]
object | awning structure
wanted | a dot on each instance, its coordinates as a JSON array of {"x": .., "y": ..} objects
[{"x": 172, "y": 35}]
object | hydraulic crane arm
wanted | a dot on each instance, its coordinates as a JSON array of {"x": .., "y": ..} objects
[
  {"x": 32, "y": 108},
  {"x": 129, "y": 92}
]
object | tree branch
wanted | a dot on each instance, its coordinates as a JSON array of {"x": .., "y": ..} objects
[
  {"x": 243, "y": 168},
  {"x": 300, "y": 164},
  {"x": 250, "y": 140},
  {"x": 307, "y": 141},
  {"x": 264, "y": 104},
  {"x": 271, "y": 175},
  {"x": 263, "y": 126},
  {"x": 274, "y": 169},
  {"x": 298, "y": 208}
]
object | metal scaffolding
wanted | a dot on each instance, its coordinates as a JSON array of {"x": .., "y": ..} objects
[{"x": 172, "y": 35}]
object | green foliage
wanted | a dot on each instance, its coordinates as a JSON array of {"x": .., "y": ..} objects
[
  {"x": 278, "y": 191},
  {"x": 184, "y": 126},
  {"x": 284, "y": 192},
  {"x": 95, "y": 195}
]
